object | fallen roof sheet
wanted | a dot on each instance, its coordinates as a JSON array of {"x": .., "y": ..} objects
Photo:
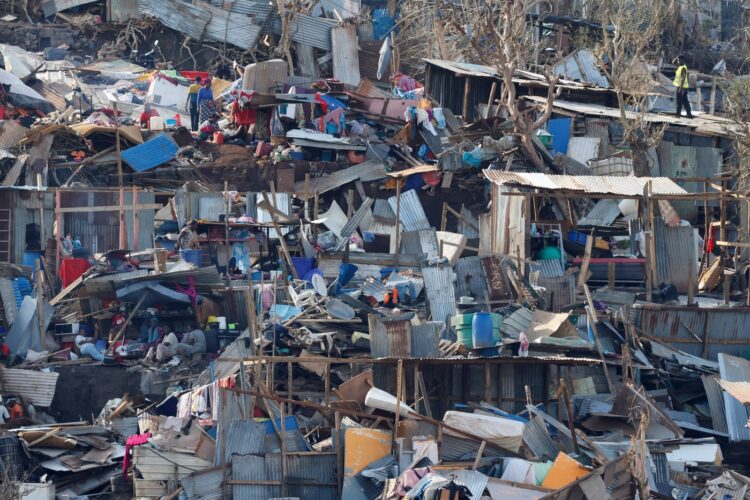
[
  {"x": 581, "y": 66},
  {"x": 34, "y": 386},
  {"x": 738, "y": 390},
  {"x": 707, "y": 124},
  {"x": 188, "y": 19},
  {"x": 151, "y": 154},
  {"x": 734, "y": 369},
  {"x": 315, "y": 31},
  {"x": 621, "y": 186}
]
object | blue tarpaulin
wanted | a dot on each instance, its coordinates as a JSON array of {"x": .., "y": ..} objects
[
  {"x": 151, "y": 153},
  {"x": 560, "y": 130}
]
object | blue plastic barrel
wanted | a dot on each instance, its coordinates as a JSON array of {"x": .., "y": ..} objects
[
  {"x": 481, "y": 330},
  {"x": 192, "y": 256}
]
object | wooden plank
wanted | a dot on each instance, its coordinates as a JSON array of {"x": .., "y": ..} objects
[
  {"x": 15, "y": 172},
  {"x": 345, "y": 54},
  {"x": 110, "y": 208},
  {"x": 582, "y": 275}
]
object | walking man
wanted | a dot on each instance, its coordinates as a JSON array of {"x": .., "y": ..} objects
[
  {"x": 681, "y": 84},
  {"x": 192, "y": 103}
]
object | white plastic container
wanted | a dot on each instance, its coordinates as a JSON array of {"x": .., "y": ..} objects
[{"x": 156, "y": 123}]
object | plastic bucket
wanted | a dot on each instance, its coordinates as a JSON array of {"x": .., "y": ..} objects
[
  {"x": 303, "y": 265},
  {"x": 256, "y": 276},
  {"x": 192, "y": 256},
  {"x": 481, "y": 330}
]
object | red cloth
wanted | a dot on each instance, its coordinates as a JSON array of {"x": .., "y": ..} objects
[
  {"x": 132, "y": 441},
  {"x": 243, "y": 115},
  {"x": 72, "y": 269}
]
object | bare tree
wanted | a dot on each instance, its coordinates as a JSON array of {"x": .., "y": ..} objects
[
  {"x": 631, "y": 34},
  {"x": 498, "y": 34},
  {"x": 737, "y": 108}
]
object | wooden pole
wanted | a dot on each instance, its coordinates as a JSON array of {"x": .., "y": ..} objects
[
  {"x": 723, "y": 233},
  {"x": 399, "y": 378},
  {"x": 591, "y": 314},
  {"x": 647, "y": 244},
  {"x": 40, "y": 305},
  {"x": 123, "y": 236},
  {"x": 398, "y": 218},
  {"x": 127, "y": 322},
  {"x": 60, "y": 231},
  {"x": 136, "y": 221}
]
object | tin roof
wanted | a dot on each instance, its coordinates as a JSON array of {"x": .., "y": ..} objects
[{"x": 622, "y": 186}]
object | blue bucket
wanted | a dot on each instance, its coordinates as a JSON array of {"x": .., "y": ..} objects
[
  {"x": 192, "y": 256},
  {"x": 101, "y": 345},
  {"x": 256, "y": 275},
  {"x": 303, "y": 265}
]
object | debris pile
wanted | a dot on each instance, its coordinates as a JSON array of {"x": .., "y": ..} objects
[{"x": 330, "y": 273}]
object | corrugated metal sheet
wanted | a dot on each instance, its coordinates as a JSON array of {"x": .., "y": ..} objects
[
  {"x": 422, "y": 242},
  {"x": 583, "y": 149},
  {"x": 438, "y": 282},
  {"x": 244, "y": 438},
  {"x": 599, "y": 128},
  {"x": 708, "y": 164},
  {"x": 411, "y": 212},
  {"x": 475, "y": 481},
  {"x": 683, "y": 164},
  {"x": 256, "y": 468},
  {"x": 536, "y": 437},
  {"x": 560, "y": 292},
  {"x": 382, "y": 210},
  {"x": 311, "y": 476},
  {"x": 399, "y": 338},
  {"x": 471, "y": 231},
  {"x": 125, "y": 426},
  {"x": 675, "y": 255},
  {"x": 38, "y": 388},
  {"x": 617, "y": 165},
  {"x": 424, "y": 339},
  {"x": 378, "y": 338},
  {"x": 222, "y": 369},
  {"x": 734, "y": 369},
  {"x": 623, "y": 186},
  {"x": 204, "y": 485},
  {"x": 235, "y": 306},
  {"x": 121, "y": 11},
  {"x": 242, "y": 29},
  {"x": 335, "y": 218},
  {"x": 738, "y": 390},
  {"x": 517, "y": 322},
  {"x": 715, "y": 402},
  {"x": 188, "y": 19},
  {"x": 315, "y": 31},
  {"x": 581, "y": 66},
  {"x": 353, "y": 223},
  {"x": 151, "y": 154},
  {"x": 603, "y": 214},
  {"x": 211, "y": 207},
  {"x": 471, "y": 280}
]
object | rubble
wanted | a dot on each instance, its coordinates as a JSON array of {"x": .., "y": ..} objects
[{"x": 326, "y": 268}]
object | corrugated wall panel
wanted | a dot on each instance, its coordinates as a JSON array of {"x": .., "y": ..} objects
[
  {"x": 675, "y": 255},
  {"x": 441, "y": 296}
]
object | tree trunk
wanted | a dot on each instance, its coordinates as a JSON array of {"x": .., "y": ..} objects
[{"x": 639, "y": 151}]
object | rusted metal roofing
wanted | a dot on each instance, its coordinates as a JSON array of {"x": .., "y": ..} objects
[
  {"x": 34, "y": 386},
  {"x": 738, "y": 390},
  {"x": 621, "y": 186},
  {"x": 734, "y": 369}
]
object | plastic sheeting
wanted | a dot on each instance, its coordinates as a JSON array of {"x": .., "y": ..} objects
[{"x": 502, "y": 432}]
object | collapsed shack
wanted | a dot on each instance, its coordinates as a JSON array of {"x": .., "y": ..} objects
[{"x": 315, "y": 292}]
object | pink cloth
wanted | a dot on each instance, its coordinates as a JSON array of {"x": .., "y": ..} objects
[{"x": 132, "y": 441}]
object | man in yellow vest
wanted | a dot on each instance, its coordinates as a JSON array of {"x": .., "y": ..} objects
[{"x": 682, "y": 85}]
